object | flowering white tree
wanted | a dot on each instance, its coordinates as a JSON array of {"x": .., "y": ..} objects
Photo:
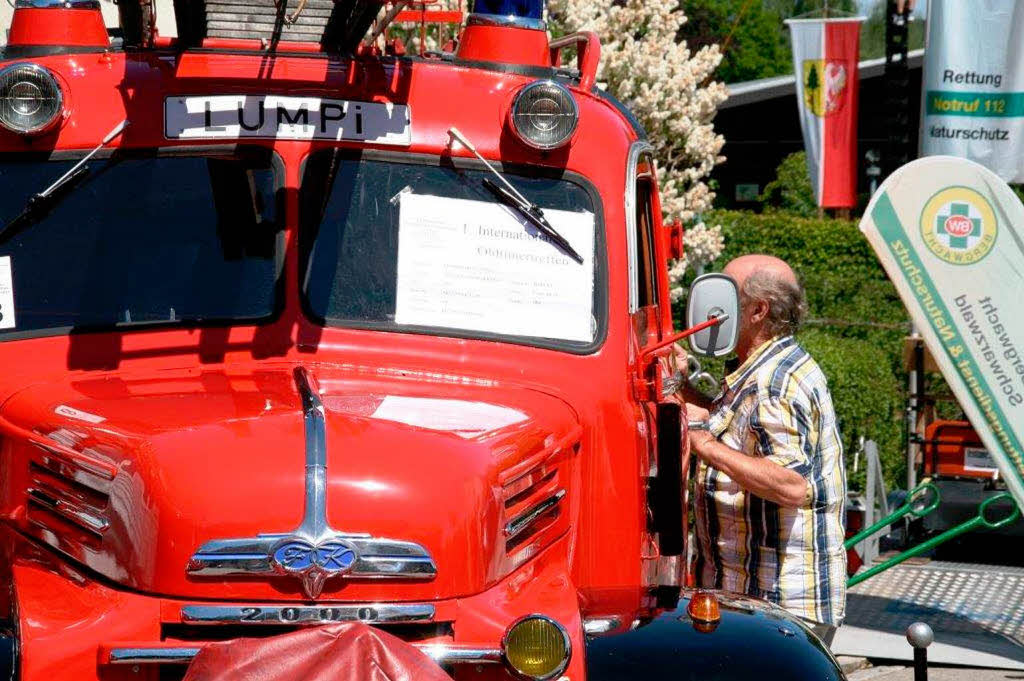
[
  {"x": 671, "y": 91},
  {"x": 668, "y": 87}
]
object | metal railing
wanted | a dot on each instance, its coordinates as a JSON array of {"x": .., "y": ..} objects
[{"x": 921, "y": 501}]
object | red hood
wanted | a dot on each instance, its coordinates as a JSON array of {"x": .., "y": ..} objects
[{"x": 443, "y": 462}]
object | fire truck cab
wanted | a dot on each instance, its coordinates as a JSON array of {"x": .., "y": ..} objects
[{"x": 297, "y": 328}]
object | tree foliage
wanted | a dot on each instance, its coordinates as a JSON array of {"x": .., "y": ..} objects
[
  {"x": 672, "y": 91},
  {"x": 755, "y": 42},
  {"x": 750, "y": 36},
  {"x": 791, "y": 189},
  {"x": 872, "y": 34}
]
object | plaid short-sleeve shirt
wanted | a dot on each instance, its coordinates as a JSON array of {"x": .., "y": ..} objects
[{"x": 777, "y": 405}]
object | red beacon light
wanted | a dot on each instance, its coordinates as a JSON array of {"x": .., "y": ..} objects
[
  {"x": 544, "y": 114},
  {"x": 506, "y": 32},
  {"x": 56, "y": 24}
]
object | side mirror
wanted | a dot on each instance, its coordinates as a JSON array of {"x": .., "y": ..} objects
[{"x": 714, "y": 295}]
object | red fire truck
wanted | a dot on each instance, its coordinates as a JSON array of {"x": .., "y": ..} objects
[{"x": 296, "y": 328}]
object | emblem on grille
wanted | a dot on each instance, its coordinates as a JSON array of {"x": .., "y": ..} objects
[{"x": 313, "y": 552}]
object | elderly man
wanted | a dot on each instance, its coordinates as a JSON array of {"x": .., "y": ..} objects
[{"x": 771, "y": 485}]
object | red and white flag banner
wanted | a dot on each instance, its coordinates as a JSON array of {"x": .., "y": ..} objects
[{"x": 825, "y": 59}]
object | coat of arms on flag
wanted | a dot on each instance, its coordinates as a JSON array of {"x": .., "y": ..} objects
[
  {"x": 825, "y": 63},
  {"x": 824, "y": 86}
]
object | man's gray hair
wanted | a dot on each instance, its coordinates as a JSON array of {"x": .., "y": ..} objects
[{"x": 787, "y": 304}]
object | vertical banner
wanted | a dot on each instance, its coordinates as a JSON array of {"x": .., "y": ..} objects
[
  {"x": 973, "y": 101},
  {"x": 950, "y": 235},
  {"x": 825, "y": 59}
]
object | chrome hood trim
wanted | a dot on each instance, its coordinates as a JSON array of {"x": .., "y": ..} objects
[
  {"x": 313, "y": 552},
  {"x": 441, "y": 653},
  {"x": 306, "y": 615}
]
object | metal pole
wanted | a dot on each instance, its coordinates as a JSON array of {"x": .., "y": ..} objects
[
  {"x": 897, "y": 86},
  {"x": 920, "y": 664},
  {"x": 920, "y": 636},
  {"x": 913, "y": 409}
]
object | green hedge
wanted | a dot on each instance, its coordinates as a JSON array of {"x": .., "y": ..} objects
[
  {"x": 856, "y": 322},
  {"x": 869, "y": 399}
]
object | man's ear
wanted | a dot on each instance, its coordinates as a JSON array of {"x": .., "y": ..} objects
[{"x": 759, "y": 310}]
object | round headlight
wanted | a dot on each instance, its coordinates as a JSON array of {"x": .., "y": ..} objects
[
  {"x": 537, "y": 647},
  {"x": 544, "y": 115},
  {"x": 30, "y": 98}
]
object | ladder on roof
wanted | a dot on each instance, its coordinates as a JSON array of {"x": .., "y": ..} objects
[{"x": 336, "y": 25}]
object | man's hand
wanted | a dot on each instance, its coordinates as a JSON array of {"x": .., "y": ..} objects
[
  {"x": 698, "y": 438},
  {"x": 678, "y": 359},
  {"x": 758, "y": 475}
]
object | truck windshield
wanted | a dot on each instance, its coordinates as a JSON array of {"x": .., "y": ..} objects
[
  {"x": 424, "y": 247},
  {"x": 140, "y": 241}
]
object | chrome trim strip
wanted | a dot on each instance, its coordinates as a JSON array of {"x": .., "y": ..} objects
[
  {"x": 313, "y": 552},
  {"x": 596, "y": 626},
  {"x": 637, "y": 149},
  {"x": 63, "y": 469},
  {"x": 368, "y": 613},
  {"x": 53, "y": 500},
  {"x": 518, "y": 524},
  {"x": 442, "y": 654},
  {"x": 80, "y": 461},
  {"x": 314, "y": 520},
  {"x": 152, "y": 655},
  {"x": 505, "y": 20}
]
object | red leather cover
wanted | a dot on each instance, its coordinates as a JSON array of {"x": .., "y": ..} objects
[{"x": 337, "y": 652}]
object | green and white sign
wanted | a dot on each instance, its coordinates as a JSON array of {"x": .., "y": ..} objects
[
  {"x": 950, "y": 235},
  {"x": 973, "y": 100}
]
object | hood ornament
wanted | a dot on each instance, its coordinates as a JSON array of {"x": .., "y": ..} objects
[{"x": 314, "y": 552}]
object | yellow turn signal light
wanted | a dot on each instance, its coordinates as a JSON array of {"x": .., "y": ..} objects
[
  {"x": 704, "y": 607},
  {"x": 537, "y": 647}
]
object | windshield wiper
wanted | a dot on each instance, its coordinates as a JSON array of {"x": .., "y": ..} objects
[
  {"x": 38, "y": 205},
  {"x": 511, "y": 197}
]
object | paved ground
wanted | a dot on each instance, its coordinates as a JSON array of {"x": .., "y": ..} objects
[
  {"x": 935, "y": 674},
  {"x": 976, "y": 611}
]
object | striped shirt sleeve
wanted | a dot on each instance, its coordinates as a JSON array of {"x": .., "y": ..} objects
[{"x": 783, "y": 431}]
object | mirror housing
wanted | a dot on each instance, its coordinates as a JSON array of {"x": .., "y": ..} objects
[{"x": 714, "y": 295}]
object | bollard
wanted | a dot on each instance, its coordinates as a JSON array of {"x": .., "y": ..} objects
[{"x": 920, "y": 636}]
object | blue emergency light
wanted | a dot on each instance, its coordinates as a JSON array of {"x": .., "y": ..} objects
[{"x": 525, "y": 9}]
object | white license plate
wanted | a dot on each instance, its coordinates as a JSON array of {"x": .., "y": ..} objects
[
  {"x": 978, "y": 459},
  {"x": 293, "y": 118}
]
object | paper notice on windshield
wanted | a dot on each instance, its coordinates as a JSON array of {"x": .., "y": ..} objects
[
  {"x": 478, "y": 266},
  {"x": 6, "y": 294}
]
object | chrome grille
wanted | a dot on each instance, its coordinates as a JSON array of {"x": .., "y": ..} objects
[
  {"x": 533, "y": 491},
  {"x": 62, "y": 496}
]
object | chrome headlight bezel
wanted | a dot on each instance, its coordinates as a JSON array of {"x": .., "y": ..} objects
[
  {"x": 564, "y": 105},
  {"x": 50, "y": 91},
  {"x": 565, "y": 638}
]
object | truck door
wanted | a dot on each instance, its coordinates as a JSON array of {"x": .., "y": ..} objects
[{"x": 659, "y": 427}]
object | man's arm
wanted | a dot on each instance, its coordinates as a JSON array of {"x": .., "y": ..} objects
[
  {"x": 758, "y": 475},
  {"x": 762, "y": 476}
]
